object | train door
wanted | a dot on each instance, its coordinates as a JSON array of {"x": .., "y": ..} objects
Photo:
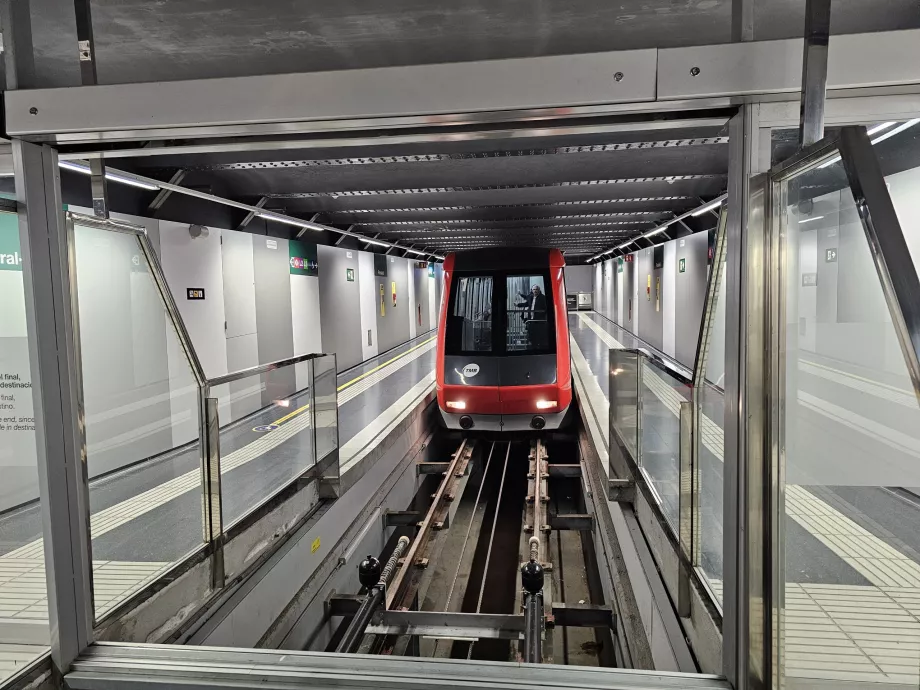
[{"x": 529, "y": 342}]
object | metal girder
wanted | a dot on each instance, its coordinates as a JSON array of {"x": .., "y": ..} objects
[
  {"x": 583, "y": 615},
  {"x": 814, "y": 70},
  {"x": 402, "y": 518},
  {"x": 458, "y": 626},
  {"x": 176, "y": 179},
  {"x": 581, "y": 522},
  {"x": 18, "y": 56},
  {"x": 432, "y": 467},
  {"x": 560, "y": 470},
  {"x": 86, "y": 44},
  {"x": 548, "y": 87}
]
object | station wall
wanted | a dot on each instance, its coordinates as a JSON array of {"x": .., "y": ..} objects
[
  {"x": 660, "y": 301},
  {"x": 140, "y": 393},
  {"x": 578, "y": 279}
]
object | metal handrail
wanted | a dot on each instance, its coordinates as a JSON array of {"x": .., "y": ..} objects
[{"x": 262, "y": 369}]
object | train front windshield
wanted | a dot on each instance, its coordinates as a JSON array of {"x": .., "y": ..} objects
[{"x": 500, "y": 314}]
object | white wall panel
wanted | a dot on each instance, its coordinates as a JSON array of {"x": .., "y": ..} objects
[
  {"x": 669, "y": 298},
  {"x": 413, "y": 299},
  {"x": 609, "y": 269},
  {"x": 368, "y": 306},
  {"x": 239, "y": 284},
  {"x": 433, "y": 306},
  {"x": 196, "y": 263},
  {"x": 306, "y": 322}
]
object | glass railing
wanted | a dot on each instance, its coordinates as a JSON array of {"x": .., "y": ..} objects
[
  {"x": 179, "y": 464},
  {"x": 666, "y": 437}
]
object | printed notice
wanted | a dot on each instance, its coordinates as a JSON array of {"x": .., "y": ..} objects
[{"x": 15, "y": 408}]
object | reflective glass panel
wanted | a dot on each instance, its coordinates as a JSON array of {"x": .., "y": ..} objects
[
  {"x": 140, "y": 398},
  {"x": 851, "y": 442},
  {"x": 469, "y": 322}
]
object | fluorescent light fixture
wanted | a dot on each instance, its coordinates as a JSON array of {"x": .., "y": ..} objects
[
  {"x": 268, "y": 215},
  {"x": 896, "y": 130},
  {"x": 707, "y": 208},
  {"x": 115, "y": 177},
  {"x": 808, "y": 220},
  {"x": 881, "y": 127},
  {"x": 887, "y": 135},
  {"x": 377, "y": 242},
  {"x": 625, "y": 244},
  {"x": 415, "y": 251}
]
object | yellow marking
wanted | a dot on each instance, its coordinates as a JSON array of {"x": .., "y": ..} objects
[
  {"x": 355, "y": 380},
  {"x": 314, "y": 547}
]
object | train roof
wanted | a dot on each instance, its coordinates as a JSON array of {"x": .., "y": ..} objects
[{"x": 504, "y": 258}]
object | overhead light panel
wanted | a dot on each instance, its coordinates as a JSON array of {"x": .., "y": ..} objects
[
  {"x": 114, "y": 177},
  {"x": 707, "y": 208},
  {"x": 415, "y": 251},
  {"x": 268, "y": 215},
  {"x": 878, "y": 128},
  {"x": 378, "y": 243}
]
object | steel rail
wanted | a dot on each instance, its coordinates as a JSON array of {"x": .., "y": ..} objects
[{"x": 427, "y": 523}]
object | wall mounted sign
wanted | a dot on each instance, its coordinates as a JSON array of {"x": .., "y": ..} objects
[
  {"x": 830, "y": 255},
  {"x": 393, "y": 289},
  {"x": 380, "y": 265},
  {"x": 658, "y": 256},
  {"x": 682, "y": 266},
  {"x": 194, "y": 293},
  {"x": 431, "y": 269},
  {"x": 658, "y": 293},
  {"x": 350, "y": 275},
  {"x": 348, "y": 255},
  {"x": 648, "y": 288},
  {"x": 620, "y": 265},
  {"x": 271, "y": 244},
  {"x": 303, "y": 258},
  {"x": 383, "y": 305},
  {"x": 809, "y": 279}
]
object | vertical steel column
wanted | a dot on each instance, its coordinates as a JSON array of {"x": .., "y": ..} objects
[
  {"x": 212, "y": 510},
  {"x": 51, "y": 317},
  {"x": 99, "y": 188},
  {"x": 743, "y": 157},
  {"x": 86, "y": 45},
  {"x": 685, "y": 503},
  {"x": 814, "y": 71},
  {"x": 18, "y": 55}
]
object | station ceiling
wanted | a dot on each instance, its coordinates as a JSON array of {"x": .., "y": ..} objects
[{"x": 581, "y": 193}]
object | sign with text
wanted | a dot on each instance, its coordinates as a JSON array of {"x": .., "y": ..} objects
[
  {"x": 303, "y": 258},
  {"x": 682, "y": 266},
  {"x": 194, "y": 293},
  {"x": 380, "y": 265}
]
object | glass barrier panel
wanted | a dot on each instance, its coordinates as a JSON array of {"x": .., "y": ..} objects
[
  {"x": 711, "y": 461},
  {"x": 270, "y": 446},
  {"x": 661, "y": 393},
  {"x": 140, "y": 399},
  {"x": 851, "y": 435},
  {"x": 623, "y": 389},
  {"x": 326, "y": 411},
  {"x": 23, "y": 594}
]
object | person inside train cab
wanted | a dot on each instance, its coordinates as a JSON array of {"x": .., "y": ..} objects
[{"x": 534, "y": 316}]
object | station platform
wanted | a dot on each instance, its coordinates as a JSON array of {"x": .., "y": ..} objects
[
  {"x": 852, "y": 557},
  {"x": 146, "y": 517}
]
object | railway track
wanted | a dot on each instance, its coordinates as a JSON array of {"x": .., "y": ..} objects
[{"x": 453, "y": 586}]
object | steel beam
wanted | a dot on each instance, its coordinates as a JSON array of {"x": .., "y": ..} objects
[
  {"x": 402, "y": 518},
  {"x": 86, "y": 44},
  {"x": 581, "y": 522},
  {"x": 18, "y": 55},
  {"x": 432, "y": 467},
  {"x": 99, "y": 186},
  {"x": 583, "y": 615},
  {"x": 560, "y": 470},
  {"x": 163, "y": 194},
  {"x": 814, "y": 71},
  {"x": 52, "y": 321},
  {"x": 501, "y": 90},
  {"x": 458, "y": 626}
]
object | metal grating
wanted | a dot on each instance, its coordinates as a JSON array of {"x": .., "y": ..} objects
[{"x": 437, "y": 157}]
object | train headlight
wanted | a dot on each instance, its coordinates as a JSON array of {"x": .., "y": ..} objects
[
  {"x": 546, "y": 404},
  {"x": 456, "y": 405}
]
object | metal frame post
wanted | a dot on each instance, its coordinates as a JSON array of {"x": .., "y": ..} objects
[
  {"x": 18, "y": 55},
  {"x": 50, "y": 292},
  {"x": 743, "y": 157},
  {"x": 100, "y": 188},
  {"x": 685, "y": 508},
  {"x": 212, "y": 510},
  {"x": 814, "y": 71},
  {"x": 86, "y": 45}
]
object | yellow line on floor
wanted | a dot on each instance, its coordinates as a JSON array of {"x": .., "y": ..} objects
[{"x": 356, "y": 379}]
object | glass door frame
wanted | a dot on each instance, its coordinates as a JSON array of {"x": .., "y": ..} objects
[{"x": 764, "y": 377}]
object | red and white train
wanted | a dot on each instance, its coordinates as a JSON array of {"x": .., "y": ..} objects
[{"x": 503, "y": 341}]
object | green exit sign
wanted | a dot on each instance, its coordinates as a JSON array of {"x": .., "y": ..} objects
[{"x": 682, "y": 265}]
